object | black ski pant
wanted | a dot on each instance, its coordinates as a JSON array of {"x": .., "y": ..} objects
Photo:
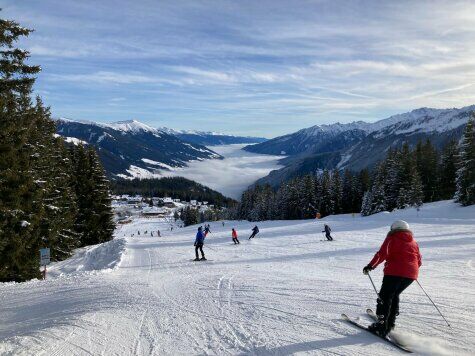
[
  {"x": 252, "y": 235},
  {"x": 236, "y": 241},
  {"x": 388, "y": 301},
  {"x": 199, "y": 247},
  {"x": 328, "y": 236}
]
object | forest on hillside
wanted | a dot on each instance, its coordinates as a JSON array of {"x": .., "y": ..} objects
[
  {"x": 174, "y": 187},
  {"x": 407, "y": 177}
]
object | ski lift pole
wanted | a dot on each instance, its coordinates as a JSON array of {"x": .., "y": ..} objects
[
  {"x": 374, "y": 287},
  {"x": 427, "y": 295}
]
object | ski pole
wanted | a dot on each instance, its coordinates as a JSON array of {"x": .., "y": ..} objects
[
  {"x": 433, "y": 303},
  {"x": 371, "y": 279}
]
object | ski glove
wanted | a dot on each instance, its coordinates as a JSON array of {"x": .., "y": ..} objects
[{"x": 367, "y": 269}]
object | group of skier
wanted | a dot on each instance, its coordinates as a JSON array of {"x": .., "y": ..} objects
[
  {"x": 399, "y": 250},
  {"x": 202, "y": 234}
]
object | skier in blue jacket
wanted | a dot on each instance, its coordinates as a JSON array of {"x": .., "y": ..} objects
[{"x": 199, "y": 242}]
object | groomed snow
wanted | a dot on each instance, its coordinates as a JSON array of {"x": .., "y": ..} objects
[{"x": 279, "y": 294}]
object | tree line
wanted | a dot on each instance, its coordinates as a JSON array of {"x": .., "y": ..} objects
[
  {"x": 51, "y": 195},
  {"x": 175, "y": 187},
  {"x": 325, "y": 193},
  {"x": 410, "y": 177},
  {"x": 192, "y": 215},
  {"x": 406, "y": 177}
]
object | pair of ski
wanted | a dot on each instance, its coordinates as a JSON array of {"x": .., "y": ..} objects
[{"x": 388, "y": 338}]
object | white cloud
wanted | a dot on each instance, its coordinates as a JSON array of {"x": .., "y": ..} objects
[
  {"x": 232, "y": 175},
  {"x": 248, "y": 63}
]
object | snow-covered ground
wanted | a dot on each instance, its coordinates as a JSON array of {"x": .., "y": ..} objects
[{"x": 279, "y": 294}]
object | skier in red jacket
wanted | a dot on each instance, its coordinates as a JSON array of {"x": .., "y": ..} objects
[
  {"x": 403, "y": 259},
  {"x": 235, "y": 236}
]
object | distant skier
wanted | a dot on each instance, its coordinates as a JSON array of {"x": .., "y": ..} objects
[
  {"x": 151, "y": 233},
  {"x": 199, "y": 242},
  {"x": 138, "y": 232},
  {"x": 255, "y": 231},
  {"x": 235, "y": 236},
  {"x": 207, "y": 229},
  {"x": 223, "y": 223},
  {"x": 327, "y": 232},
  {"x": 158, "y": 233},
  {"x": 403, "y": 259}
]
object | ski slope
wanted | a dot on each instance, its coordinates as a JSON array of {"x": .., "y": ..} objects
[{"x": 281, "y": 293}]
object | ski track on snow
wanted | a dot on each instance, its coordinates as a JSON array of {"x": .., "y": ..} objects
[{"x": 279, "y": 294}]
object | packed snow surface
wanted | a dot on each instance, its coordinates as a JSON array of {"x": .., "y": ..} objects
[{"x": 281, "y": 293}]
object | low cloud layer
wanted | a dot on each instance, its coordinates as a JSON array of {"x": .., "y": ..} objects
[{"x": 232, "y": 175}]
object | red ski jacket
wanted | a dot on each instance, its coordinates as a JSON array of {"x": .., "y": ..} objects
[
  {"x": 401, "y": 253},
  {"x": 235, "y": 234}
]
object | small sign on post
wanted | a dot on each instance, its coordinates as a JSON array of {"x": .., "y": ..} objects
[{"x": 44, "y": 259}]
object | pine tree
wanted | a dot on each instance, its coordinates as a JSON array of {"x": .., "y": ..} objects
[
  {"x": 309, "y": 199},
  {"x": 103, "y": 215},
  {"x": 465, "y": 193},
  {"x": 416, "y": 193},
  {"x": 326, "y": 205},
  {"x": 448, "y": 171},
  {"x": 392, "y": 180},
  {"x": 37, "y": 189},
  {"x": 361, "y": 186},
  {"x": 21, "y": 205},
  {"x": 336, "y": 191},
  {"x": 60, "y": 199},
  {"x": 427, "y": 164},
  {"x": 378, "y": 195},
  {"x": 367, "y": 203},
  {"x": 410, "y": 185},
  {"x": 94, "y": 221},
  {"x": 349, "y": 192}
]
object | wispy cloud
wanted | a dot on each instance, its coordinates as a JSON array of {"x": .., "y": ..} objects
[{"x": 236, "y": 66}]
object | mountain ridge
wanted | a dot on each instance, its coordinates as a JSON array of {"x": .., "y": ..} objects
[
  {"x": 129, "y": 149},
  {"x": 359, "y": 144}
]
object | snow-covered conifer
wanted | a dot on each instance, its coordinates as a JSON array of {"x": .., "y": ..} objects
[{"x": 465, "y": 193}]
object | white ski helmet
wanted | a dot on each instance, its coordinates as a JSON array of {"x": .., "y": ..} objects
[{"x": 400, "y": 225}]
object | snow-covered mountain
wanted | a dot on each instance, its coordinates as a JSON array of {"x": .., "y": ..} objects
[
  {"x": 210, "y": 138},
  {"x": 133, "y": 149},
  {"x": 437, "y": 125},
  {"x": 318, "y": 138},
  {"x": 360, "y": 144}
]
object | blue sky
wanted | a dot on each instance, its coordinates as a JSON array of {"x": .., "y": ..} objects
[{"x": 248, "y": 67}]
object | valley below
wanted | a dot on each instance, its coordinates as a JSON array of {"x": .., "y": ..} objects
[{"x": 230, "y": 175}]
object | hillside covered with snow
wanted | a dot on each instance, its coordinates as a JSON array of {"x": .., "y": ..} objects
[
  {"x": 131, "y": 149},
  {"x": 281, "y": 293},
  {"x": 360, "y": 144}
]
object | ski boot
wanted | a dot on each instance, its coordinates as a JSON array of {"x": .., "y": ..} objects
[
  {"x": 391, "y": 323},
  {"x": 379, "y": 327},
  {"x": 196, "y": 259},
  {"x": 203, "y": 258}
]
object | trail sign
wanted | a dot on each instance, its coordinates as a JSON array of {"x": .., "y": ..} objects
[{"x": 44, "y": 257}]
